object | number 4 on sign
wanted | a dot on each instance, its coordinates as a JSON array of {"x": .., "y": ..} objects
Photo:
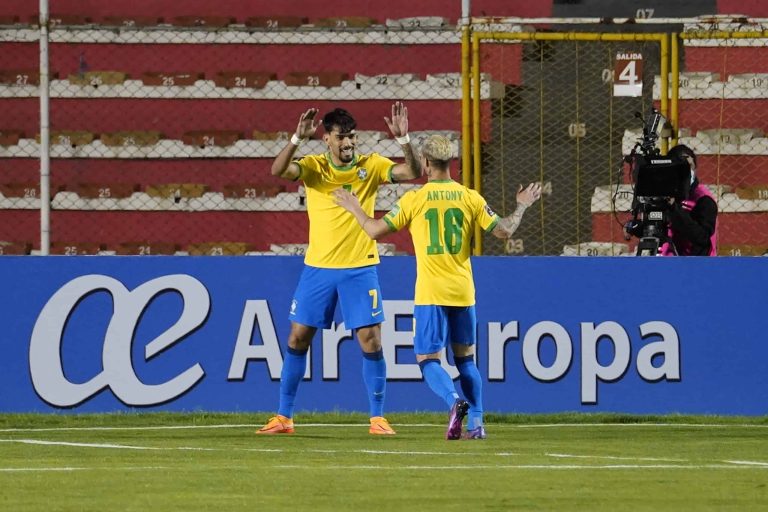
[{"x": 628, "y": 74}]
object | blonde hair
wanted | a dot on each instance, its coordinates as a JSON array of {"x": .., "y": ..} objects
[{"x": 438, "y": 150}]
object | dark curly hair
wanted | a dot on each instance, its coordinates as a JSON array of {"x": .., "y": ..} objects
[{"x": 341, "y": 118}]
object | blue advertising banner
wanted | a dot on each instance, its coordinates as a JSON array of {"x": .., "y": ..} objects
[{"x": 634, "y": 335}]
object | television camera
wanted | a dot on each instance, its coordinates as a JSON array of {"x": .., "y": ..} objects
[{"x": 656, "y": 180}]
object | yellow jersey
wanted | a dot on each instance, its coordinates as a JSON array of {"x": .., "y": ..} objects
[
  {"x": 335, "y": 238},
  {"x": 441, "y": 217}
]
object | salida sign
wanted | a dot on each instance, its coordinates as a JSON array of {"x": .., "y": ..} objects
[{"x": 658, "y": 358}]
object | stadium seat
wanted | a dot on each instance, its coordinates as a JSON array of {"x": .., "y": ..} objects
[
  {"x": 76, "y": 248},
  {"x": 218, "y": 249},
  {"x": 270, "y": 136},
  {"x": 276, "y": 22},
  {"x": 15, "y": 248},
  {"x": 170, "y": 79},
  {"x": 131, "y": 21},
  {"x": 131, "y": 138},
  {"x": 203, "y": 21},
  {"x": 27, "y": 190},
  {"x": 97, "y": 78},
  {"x": 344, "y": 22},
  {"x": 205, "y": 138},
  {"x": 55, "y": 20},
  {"x": 8, "y": 19},
  {"x": 251, "y": 191},
  {"x": 418, "y": 22},
  {"x": 755, "y": 192},
  {"x": 742, "y": 250},
  {"x": 316, "y": 78},
  {"x": 72, "y": 138},
  {"x": 10, "y": 137},
  {"x": 21, "y": 76},
  {"x": 176, "y": 190},
  {"x": 104, "y": 190},
  {"x": 596, "y": 249},
  {"x": 145, "y": 248},
  {"x": 250, "y": 79}
]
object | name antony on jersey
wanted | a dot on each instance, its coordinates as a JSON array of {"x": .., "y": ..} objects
[{"x": 445, "y": 195}]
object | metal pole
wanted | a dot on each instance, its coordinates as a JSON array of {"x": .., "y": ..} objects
[{"x": 45, "y": 139}]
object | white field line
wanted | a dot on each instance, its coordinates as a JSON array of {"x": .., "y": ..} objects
[
  {"x": 193, "y": 448},
  {"x": 405, "y": 425},
  {"x": 471, "y": 467},
  {"x": 610, "y": 457},
  {"x": 724, "y": 464},
  {"x": 747, "y": 462},
  {"x": 65, "y": 469}
]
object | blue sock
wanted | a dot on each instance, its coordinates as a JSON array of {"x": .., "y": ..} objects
[
  {"x": 472, "y": 386},
  {"x": 294, "y": 366},
  {"x": 438, "y": 380},
  {"x": 375, "y": 378}
]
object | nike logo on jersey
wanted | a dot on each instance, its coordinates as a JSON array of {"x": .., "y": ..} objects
[{"x": 376, "y": 313}]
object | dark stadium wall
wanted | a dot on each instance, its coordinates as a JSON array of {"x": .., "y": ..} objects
[{"x": 311, "y": 8}]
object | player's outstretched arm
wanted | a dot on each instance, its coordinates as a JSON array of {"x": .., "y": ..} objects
[
  {"x": 398, "y": 125},
  {"x": 374, "y": 228},
  {"x": 283, "y": 164},
  {"x": 525, "y": 198}
]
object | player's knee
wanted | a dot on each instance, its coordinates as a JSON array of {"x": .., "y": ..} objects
[
  {"x": 461, "y": 350},
  {"x": 369, "y": 338},
  {"x": 300, "y": 337},
  {"x": 425, "y": 357}
]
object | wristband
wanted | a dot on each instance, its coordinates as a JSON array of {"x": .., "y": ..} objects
[
  {"x": 296, "y": 141},
  {"x": 405, "y": 139}
]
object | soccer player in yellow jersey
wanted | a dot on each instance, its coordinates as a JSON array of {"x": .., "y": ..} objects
[
  {"x": 441, "y": 217},
  {"x": 340, "y": 263}
]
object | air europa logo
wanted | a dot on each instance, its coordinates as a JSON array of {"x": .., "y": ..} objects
[{"x": 48, "y": 377}]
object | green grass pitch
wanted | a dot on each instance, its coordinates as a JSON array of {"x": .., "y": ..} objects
[{"x": 200, "y": 461}]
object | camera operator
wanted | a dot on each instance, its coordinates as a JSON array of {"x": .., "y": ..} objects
[{"x": 692, "y": 221}]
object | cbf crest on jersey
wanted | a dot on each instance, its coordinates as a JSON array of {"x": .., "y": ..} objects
[{"x": 362, "y": 173}]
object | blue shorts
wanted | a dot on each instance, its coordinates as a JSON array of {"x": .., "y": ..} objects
[
  {"x": 357, "y": 291},
  {"x": 437, "y": 326}
]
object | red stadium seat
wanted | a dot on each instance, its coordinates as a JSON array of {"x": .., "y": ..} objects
[
  {"x": 316, "y": 78},
  {"x": 131, "y": 21},
  {"x": 72, "y": 138},
  {"x": 65, "y": 19},
  {"x": 345, "y": 22},
  {"x": 21, "y": 76},
  {"x": 251, "y": 79},
  {"x": 76, "y": 248},
  {"x": 251, "y": 191},
  {"x": 131, "y": 138},
  {"x": 168, "y": 79},
  {"x": 276, "y": 22},
  {"x": 104, "y": 190},
  {"x": 97, "y": 78},
  {"x": 176, "y": 190},
  {"x": 10, "y": 137},
  {"x": 219, "y": 249},
  {"x": 146, "y": 248},
  {"x": 205, "y": 138},
  {"x": 15, "y": 248},
  {"x": 203, "y": 21},
  {"x": 742, "y": 250}
]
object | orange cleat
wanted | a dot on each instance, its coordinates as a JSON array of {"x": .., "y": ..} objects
[
  {"x": 278, "y": 425},
  {"x": 380, "y": 427}
]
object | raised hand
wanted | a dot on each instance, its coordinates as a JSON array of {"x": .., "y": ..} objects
[
  {"x": 398, "y": 123},
  {"x": 528, "y": 195},
  {"x": 308, "y": 124}
]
